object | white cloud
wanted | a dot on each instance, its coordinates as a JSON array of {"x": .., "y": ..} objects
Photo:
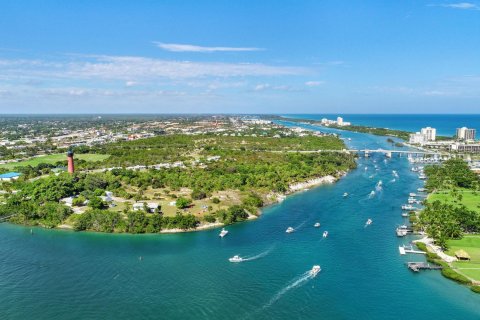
[
  {"x": 175, "y": 47},
  {"x": 266, "y": 86},
  {"x": 314, "y": 83},
  {"x": 261, "y": 87},
  {"x": 459, "y": 5},
  {"x": 130, "y": 83}
]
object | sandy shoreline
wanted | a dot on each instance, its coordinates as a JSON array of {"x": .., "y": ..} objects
[{"x": 274, "y": 198}]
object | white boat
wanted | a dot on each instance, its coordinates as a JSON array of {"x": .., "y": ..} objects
[
  {"x": 369, "y": 222},
  {"x": 223, "y": 233},
  {"x": 289, "y": 230},
  {"x": 402, "y": 231},
  {"x": 315, "y": 270},
  {"x": 405, "y": 215},
  {"x": 235, "y": 258},
  {"x": 422, "y": 177},
  {"x": 421, "y": 189},
  {"x": 411, "y": 194},
  {"x": 408, "y": 207},
  {"x": 345, "y": 194},
  {"x": 325, "y": 234},
  {"x": 317, "y": 225}
]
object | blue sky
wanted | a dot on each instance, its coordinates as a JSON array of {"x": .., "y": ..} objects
[{"x": 240, "y": 57}]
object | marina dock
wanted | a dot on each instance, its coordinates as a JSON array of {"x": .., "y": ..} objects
[
  {"x": 417, "y": 266},
  {"x": 405, "y": 249}
]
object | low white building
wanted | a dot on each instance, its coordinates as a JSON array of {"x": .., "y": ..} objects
[{"x": 150, "y": 207}]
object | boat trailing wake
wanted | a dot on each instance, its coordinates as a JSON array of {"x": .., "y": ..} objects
[
  {"x": 371, "y": 195},
  {"x": 298, "y": 281},
  {"x": 379, "y": 187},
  {"x": 258, "y": 256}
]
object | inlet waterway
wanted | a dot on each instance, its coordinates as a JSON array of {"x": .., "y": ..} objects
[{"x": 53, "y": 274}]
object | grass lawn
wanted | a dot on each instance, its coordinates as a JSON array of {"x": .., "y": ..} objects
[
  {"x": 471, "y": 244},
  {"x": 53, "y": 158},
  {"x": 469, "y": 199}
]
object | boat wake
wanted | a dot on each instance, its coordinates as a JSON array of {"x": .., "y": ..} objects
[
  {"x": 258, "y": 256},
  {"x": 297, "y": 282},
  {"x": 378, "y": 187}
]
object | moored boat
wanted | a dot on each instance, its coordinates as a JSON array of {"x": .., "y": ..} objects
[
  {"x": 289, "y": 230},
  {"x": 317, "y": 225}
]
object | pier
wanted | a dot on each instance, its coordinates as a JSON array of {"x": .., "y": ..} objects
[
  {"x": 408, "y": 249},
  {"x": 417, "y": 266}
]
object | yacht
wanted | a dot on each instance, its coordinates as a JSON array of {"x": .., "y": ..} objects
[
  {"x": 422, "y": 177},
  {"x": 235, "y": 258},
  {"x": 223, "y": 233},
  {"x": 405, "y": 215},
  {"x": 408, "y": 207},
  {"x": 325, "y": 234},
  {"x": 345, "y": 194},
  {"x": 402, "y": 231},
  {"x": 411, "y": 194},
  {"x": 369, "y": 222},
  {"x": 317, "y": 225},
  {"x": 421, "y": 189},
  {"x": 315, "y": 270},
  {"x": 290, "y": 230}
]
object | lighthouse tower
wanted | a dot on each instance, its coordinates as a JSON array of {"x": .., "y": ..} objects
[{"x": 71, "y": 166}]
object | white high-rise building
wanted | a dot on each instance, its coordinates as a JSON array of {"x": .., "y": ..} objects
[
  {"x": 417, "y": 138},
  {"x": 340, "y": 121},
  {"x": 465, "y": 134},
  {"x": 430, "y": 133}
]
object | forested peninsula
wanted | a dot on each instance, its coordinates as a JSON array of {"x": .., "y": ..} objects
[{"x": 174, "y": 182}]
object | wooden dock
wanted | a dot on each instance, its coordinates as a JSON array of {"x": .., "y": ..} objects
[{"x": 417, "y": 266}]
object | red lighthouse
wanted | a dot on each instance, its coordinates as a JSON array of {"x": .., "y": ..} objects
[{"x": 71, "y": 166}]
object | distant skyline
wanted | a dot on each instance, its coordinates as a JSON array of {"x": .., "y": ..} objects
[{"x": 323, "y": 57}]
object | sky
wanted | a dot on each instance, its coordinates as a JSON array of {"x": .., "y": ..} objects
[{"x": 269, "y": 56}]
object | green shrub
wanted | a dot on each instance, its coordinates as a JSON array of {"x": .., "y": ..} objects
[
  {"x": 209, "y": 218},
  {"x": 475, "y": 289},
  {"x": 451, "y": 274}
]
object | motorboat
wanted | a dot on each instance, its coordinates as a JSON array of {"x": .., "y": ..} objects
[
  {"x": 315, "y": 270},
  {"x": 369, "y": 222},
  {"x": 411, "y": 194},
  {"x": 402, "y": 231},
  {"x": 223, "y": 233},
  {"x": 235, "y": 258},
  {"x": 421, "y": 189},
  {"x": 422, "y": 177},
  {"x": 408, "y": 207},
  {"x": 325, "y": 234},
  {"x": 317, "y": 225},
  {"x": 405, "y": 215},
  {"x": 289, "y": 230},
  {"x": 345, "y": 194}
]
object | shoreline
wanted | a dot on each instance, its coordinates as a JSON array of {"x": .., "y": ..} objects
[{"x": 275, "y": 199}]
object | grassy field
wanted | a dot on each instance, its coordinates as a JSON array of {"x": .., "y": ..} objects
[
  {"x": 53, "y": 158},
  {"x": 471, "y": 244},
  {"x": 469, "y": 199}
]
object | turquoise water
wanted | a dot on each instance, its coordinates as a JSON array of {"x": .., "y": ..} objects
[
  {"x": 445, "y": 124},
  {"x": 66, "y": 275}
]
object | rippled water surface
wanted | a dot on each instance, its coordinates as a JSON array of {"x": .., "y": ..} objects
[{"x": 66, "y": 275}]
